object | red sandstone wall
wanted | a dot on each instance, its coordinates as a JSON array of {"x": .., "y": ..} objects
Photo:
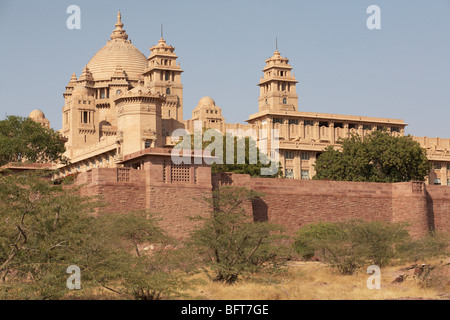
[
  {"x": 438, "y": 200},
  {"x": 295, "y": 203},
  {"x": 175, "y": 204},
  {"x": 410, "y": 206},
  {"x": 292, "y": 203},
  {"x": 118, "y": 196}
]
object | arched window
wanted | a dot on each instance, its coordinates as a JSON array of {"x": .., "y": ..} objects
[
  {"x": 167, "y": 75},
  {"x": 284, "y": 101},
  {"x": 168, "y": 91}
]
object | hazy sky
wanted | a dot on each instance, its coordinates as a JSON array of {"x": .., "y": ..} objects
[{"x": 401, "y": 71}]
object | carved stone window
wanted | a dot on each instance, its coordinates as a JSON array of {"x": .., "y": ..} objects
[
  {"x": 123, "y": 175},
  {"x": 417, "y": 187},
  {"x": 180, "y": 173}
]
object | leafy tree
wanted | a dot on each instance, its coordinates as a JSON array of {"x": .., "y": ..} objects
[
  {"x": 45, "y": 228},
  {"x": 41, "y": 225},
  {"x": 229, "y": 241},
  {"x": 137, "y": 259},
  {"x": 24, "y": 139},
  {"x": 253, "y": 169},
  {"x": 378, "y": 157}
]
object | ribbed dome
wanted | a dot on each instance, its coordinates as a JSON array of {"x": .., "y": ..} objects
[{"x": 117, "y": 52}]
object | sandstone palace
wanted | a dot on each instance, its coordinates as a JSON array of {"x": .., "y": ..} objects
[{"x": 119, "y": 115}]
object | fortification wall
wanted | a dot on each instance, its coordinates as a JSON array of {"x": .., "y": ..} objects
[
  {"x": 118, "y": 191},
  {"x": 438, "y": 205},
  {"x": 295, "y": 203},
  {"x": 292, "y": 203},
  {"x": 176, "y": 204}
]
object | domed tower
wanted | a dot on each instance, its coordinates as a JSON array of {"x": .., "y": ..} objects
[
  {"x": 163, "y": 75},
  {"x": 277, "y": 86},
  {"x": 90, "y": 113},
  {"x": 207, "y": 112},
  {"x": 39, "y": 117}
]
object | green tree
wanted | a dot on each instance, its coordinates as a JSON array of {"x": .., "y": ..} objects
[
  {"x": 23, "y": 139},
  {"x": 379, "y": 157},
  {"x": 41, "y": 227},
  {"x": 134, "y": 258},
  {"x": 46, "y": 228},
  {"x": 229, "y": 241},
  {"x": 248, "y": 167}
]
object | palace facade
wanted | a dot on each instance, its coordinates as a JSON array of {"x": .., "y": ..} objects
[{"x": 124, "y": 103}]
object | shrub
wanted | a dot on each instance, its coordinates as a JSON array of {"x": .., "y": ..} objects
[
  {"x": 380, "y": 240},
  {"x": 432, "y": 246},
  {"x": 349, "y": 245}
]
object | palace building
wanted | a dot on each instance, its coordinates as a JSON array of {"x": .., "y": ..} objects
[{"x": 124, "y": 103}]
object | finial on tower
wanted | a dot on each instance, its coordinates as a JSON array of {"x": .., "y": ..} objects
[
  {"x": 119, "y": 33},
  {"x": 119, "y": 23},
  {"x": 162, "y": 31}
]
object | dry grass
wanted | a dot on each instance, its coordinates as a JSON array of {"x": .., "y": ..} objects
[
  {"x": 316, "y": 281},
  {"x": 311, "y": 281}
]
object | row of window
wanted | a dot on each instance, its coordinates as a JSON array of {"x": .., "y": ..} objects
[
  {"x": 284, "y": 101},
  {"x": 290, "y": 174},
  {"x": 437, "y": 182},
  {"x": 336, "y": 124},
  {"x": 102, "y": 162},
  {"x": 290, "y": 155},
  {"x": 438, "y": 166}
]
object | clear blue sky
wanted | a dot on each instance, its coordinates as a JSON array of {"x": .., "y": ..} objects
[{"x": 401, "y": 71}]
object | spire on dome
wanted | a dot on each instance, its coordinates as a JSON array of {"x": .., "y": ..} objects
[{"x": 119, "y": 33}]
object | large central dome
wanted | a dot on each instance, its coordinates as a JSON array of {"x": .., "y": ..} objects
[{"x": 117, "y": 52}]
